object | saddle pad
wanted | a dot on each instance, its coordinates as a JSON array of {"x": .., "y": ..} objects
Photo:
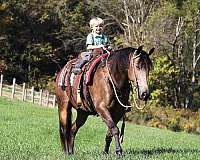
[
  {"x": 75, "y": 87},
  {"x": 92, "y": 67},
  {"x": 64, "y": 73}
]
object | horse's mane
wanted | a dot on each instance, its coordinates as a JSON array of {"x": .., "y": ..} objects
[{"x": 120, "y": 59}]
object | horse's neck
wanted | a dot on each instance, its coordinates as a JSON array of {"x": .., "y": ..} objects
[{"x": 119, "y": 74}]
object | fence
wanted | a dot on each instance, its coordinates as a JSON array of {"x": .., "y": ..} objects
[{"x": 22, "y": 93}]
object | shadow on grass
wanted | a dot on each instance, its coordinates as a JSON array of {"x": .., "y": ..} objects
[
  {"x": 147, "y": 152},
  {"x": 136, "y": 154},
  {"x": 156, "y": 151}
]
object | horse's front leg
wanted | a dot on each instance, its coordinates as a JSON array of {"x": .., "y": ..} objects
[
  {"x": 106, "y": 116},
  {"x": 108, "y": 140}
]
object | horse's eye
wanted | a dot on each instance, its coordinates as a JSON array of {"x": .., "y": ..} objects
[{"x": 137, "y": 67}]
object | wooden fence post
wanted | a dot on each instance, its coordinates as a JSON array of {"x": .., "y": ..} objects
[
  {"x": 32, "y": 94},
  {"x": 1, "y": 85},
  {"x": 40, "y": 99},
  {"x": 47, "y": 102},
  {"x": 25, "y": 94},
  {"x": 54, "y": 100},
  {"x": 13, "y": 88},
  {"x": 23, "y": 91}
]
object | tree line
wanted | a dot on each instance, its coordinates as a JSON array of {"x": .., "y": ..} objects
[{"x": 38, "y": 37}]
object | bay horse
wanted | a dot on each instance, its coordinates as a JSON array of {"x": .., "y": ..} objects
[{"x": 123, "y": 66}]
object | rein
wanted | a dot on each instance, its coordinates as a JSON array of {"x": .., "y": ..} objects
[
  {"x": 136, "y": 100},
  {"x": 137, "y": 105},
  {"x": 114, "y": 88}
]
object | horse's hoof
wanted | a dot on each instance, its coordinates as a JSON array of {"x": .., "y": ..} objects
[
  {"x": 106, "y": 150},
  {"x": 105, "y": 153},
  {"x": 119, "y": 152},
  {"x": 68, "y": 153}
]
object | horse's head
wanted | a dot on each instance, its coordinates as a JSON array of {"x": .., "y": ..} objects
[{"x": 138, "y": 71}]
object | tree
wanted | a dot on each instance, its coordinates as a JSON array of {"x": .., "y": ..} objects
[
  {"x": 131, "y": 16},
  {"x": 193, "y": 40},
  {"x": 40, "y": 37}
]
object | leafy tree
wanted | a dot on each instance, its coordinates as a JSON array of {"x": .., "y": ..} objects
[
  {"x": 40, "y": 37},
  {"x": 179, "y": 41}
]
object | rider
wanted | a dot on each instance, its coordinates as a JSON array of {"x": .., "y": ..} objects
[{"x": 96, "y": 39}]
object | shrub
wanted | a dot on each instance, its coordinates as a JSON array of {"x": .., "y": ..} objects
[{"x": 167, "y": 118}]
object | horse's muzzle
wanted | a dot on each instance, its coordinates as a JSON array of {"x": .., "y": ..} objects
[{"x": 144, "y": 95}]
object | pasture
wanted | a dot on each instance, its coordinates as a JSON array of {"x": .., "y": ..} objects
[{"x": 28, "y": 131}]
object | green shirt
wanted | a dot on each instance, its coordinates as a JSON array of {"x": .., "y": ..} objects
[{"x": 97, "y": 39}]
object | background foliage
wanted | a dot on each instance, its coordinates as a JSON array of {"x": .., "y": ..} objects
[{"x": 37, "y": 38}]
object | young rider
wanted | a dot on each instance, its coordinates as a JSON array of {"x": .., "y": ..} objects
[{"x": 96, "y": 39}]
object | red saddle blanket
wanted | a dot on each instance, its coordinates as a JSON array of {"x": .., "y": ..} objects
[{"x": 92, "y": 67}]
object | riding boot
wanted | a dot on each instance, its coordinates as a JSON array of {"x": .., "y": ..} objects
[{"x": 79, "y": 64}]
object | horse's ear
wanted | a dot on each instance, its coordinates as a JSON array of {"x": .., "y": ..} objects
[
  {"x": 140, "y": 48},
  {"x": 151, "y": 51}
]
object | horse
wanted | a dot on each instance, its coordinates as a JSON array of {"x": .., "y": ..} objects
[{"x": 122, "y": 67}]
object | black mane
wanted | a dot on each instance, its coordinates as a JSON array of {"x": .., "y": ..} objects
[{"x": 120, "y": 59}]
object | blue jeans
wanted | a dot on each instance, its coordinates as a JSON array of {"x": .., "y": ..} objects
[{"x": 84, "y": 58}]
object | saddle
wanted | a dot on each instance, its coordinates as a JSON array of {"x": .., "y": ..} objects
[{"x": 77, "y": 86}]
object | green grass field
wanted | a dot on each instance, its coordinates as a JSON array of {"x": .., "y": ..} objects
[{"x": 28, "y": 131}]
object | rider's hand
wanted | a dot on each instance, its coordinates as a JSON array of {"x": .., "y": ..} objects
[{"x": 101, "y": 46}]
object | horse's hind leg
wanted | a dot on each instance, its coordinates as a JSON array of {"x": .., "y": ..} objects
[
  {"x": 65, "y": 121},
  {"x": 80, "y": 121}
]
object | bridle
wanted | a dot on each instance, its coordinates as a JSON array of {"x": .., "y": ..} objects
[
  {"x": 135, "y": 87},
  {"x": 113, "y": 85}
]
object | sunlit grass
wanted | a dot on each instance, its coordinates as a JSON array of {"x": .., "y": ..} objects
[{"x": 29, "y": 131}]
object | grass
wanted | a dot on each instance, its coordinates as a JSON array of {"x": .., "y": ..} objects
[{"x": 30, "y": 132}]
